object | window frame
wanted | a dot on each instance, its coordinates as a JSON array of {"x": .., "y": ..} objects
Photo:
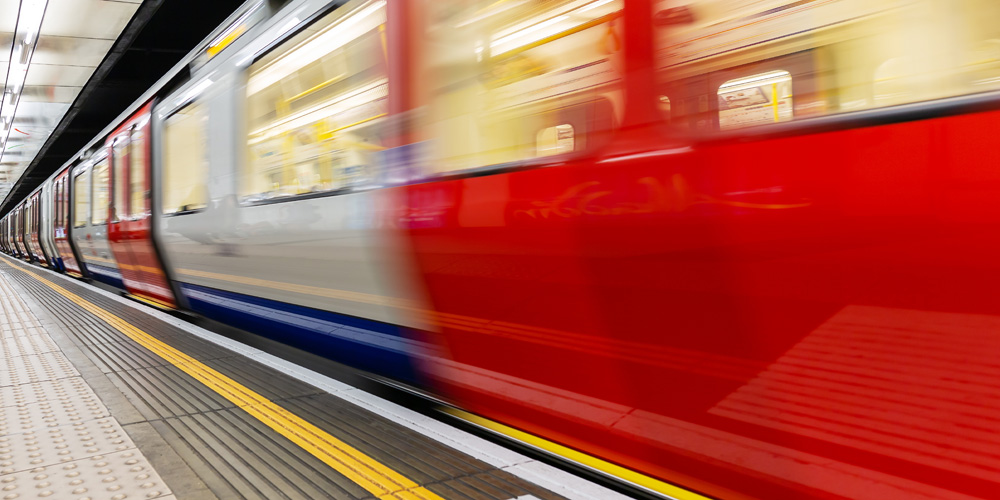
[
  {"x": 89, "y": 194},
  {"x": 56, "y": 219},
  {"x": 146, "y": 195},
  {"x": 242, "y": 109},
  {"x": 92, "y": 169},
  {"x": 162, "y": 140},
  {"x": 119, "y": 183}
]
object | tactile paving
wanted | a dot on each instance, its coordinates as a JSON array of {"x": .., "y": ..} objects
[
  {"x": 47, "y": 390},
  {"x": 57, "y": 439},
  {"x": 20, "y": 452},
  {"x": 122, "y": 475},
  {"x": 51, "y": 413},
  {"x": 35, "y": 368},
  {"x": 22, "y": 345}
]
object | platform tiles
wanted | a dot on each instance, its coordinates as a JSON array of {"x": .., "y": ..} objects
[{"x": 187, "y": 413}]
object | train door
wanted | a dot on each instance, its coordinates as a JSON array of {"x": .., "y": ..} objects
[
  {"x": 13, "y": 233},
  {"x": 92, "y": 186},
  {"x": 30, "y": 234},
  {"x": 47, "y": 228},
  {"x": 21, "y": 240},
  {"x": 130, "y": 232},
  {"x": 61, "y": 224},
  {"x": 36, "y": 234},
  {"x": 25, "y": 224},
  {"x": 29, "y": 228},
  {"x": 36, "y": 230}
]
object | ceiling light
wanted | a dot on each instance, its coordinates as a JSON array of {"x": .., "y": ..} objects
[
  {"x": 29, "y": 18},
  {"x": 29, "y": 22}
]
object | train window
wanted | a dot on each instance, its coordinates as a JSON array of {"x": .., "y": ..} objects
[
  {"x": 56, "y": 205},
  {"x": 874, "y": 54},
  {"x": 100, "y": 195},
  {"x": 555, "y": 140},
  {"x": 81, "y": 198},
  {"x": 314, "y": 107},
  {"x": 65, "y": 201},
  {"x": 119, "y": 151},
  {"x": 756, "y": 99},
  {"x": 60, "y": 203},
  {"x": 513, "y": 81},
  {"x": 137, "y": 174},
  {"x": 185, "y": 160}
]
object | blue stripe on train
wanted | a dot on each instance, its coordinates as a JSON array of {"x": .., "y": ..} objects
[
  {"x": 106, "y": 275},
  {"x": 369, "y": 345}
]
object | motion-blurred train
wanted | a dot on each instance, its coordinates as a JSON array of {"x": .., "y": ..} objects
[{"x": 751, "y": 248}]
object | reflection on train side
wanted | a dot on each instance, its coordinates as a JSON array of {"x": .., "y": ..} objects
[
  {"x": 586, "y": 198},
  {"x": 889, "y": 381}
]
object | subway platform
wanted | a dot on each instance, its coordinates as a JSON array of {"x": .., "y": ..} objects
[{"x": 103, "y": 398}]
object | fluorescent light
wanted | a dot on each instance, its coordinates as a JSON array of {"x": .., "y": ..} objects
[
  {"x": 29, "y": 22},
  {"x": 344, "y": 102},
  {"x": 29, "y": 19},
  {"x": 490, "y": 12},
  {"x": 531, "y": 33},
  {"x": 732, "y": 85},
  {"x": 527, "y": 31},
  {"x": 594, "y": 5}
]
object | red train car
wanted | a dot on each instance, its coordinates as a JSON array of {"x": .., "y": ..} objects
[
  {"x": 747, "y": 248},
  {"x": 129, "y": 219},
  {"x": 690, "y": 265}
]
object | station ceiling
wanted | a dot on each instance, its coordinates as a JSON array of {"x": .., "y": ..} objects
[{"x": 86, "y": 62}]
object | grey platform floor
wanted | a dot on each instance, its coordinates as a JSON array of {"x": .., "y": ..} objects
[{"x": 89, "y": 413}]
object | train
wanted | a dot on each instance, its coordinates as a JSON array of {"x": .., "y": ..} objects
[{"x": 746, "y": 248}]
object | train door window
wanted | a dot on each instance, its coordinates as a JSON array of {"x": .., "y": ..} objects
[
  {"x": 60, "y": 202},
  {"x": 510, "y": 82},
  {"x": 185, "y": 160},
  {"x": 119, "y": 151},
  {"x": 56, "y": 205},
  {"x": 755, "y": 100},
  {"x": 100, "y": 193},
  {"x": 81, "y": 198},
  {"x": 65, "y": 200},
  {"x": 137, "y": 174},
  {"x": 315, "y": 105}
]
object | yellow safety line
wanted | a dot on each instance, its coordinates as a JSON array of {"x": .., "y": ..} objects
[
  {"x": 579, "y": 457},
  {"x": 367, "y": 472}
]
